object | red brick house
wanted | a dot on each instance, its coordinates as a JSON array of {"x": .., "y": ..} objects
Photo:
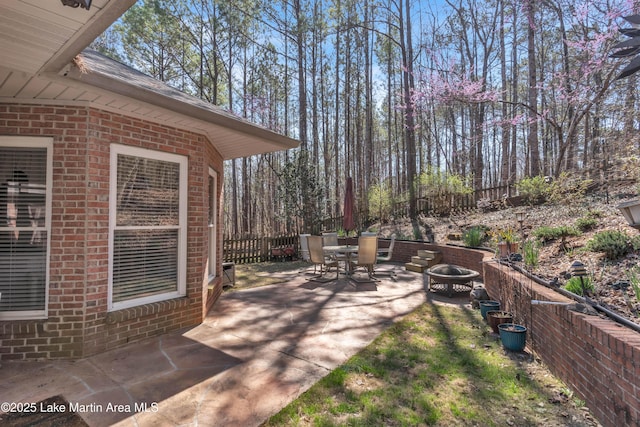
[{"x": 110, "y": 189}]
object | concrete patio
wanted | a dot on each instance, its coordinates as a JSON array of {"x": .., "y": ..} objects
[{"x": 257, "y": 351}]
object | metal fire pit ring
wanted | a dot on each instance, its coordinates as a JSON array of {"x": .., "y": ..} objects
[{"x": 450, "y": 276}]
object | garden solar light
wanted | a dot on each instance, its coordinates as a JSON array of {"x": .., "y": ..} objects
[
  {"x": 85, "y": 4},
  {"x": 520, "y": 218},
  {"x": 578, "y": 269}
]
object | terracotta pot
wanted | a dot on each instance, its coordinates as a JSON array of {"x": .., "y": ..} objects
[
  {"x": 497, "y": 317},
  {"x": 505, "y": 249}
]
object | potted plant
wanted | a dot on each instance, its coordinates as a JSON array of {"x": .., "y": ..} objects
[
  {"x": 498, "y": 317},
  {"x": 513, "y": 336},
  {"x": 488, "y": 305},
  {"x": 507, "y": 242}
]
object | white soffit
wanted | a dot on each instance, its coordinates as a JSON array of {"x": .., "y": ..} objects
[{"x": 44, "y": 35}]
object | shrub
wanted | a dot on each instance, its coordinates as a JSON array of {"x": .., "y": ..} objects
[
  {"x": 417, "y": 234},
  {"x": 576, "y": 285},
  {"x": 586, "y": 223},
  {"x": 546, "y": 233},
  {"x": 568, "y": 190},
  {"x": 613, "y": 243},
  {"x": 533, "y": 190},
  {"x": 441, "y": 186},
  {"x": 474, "y": 236},
  {"x": 380, "y": 200}
]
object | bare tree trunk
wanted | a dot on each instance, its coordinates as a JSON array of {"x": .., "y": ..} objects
[
  {"x": 629, "y": 106},
  {"x": 406, "y": 48},
  {"x": 315, "y": 116},
  {"x": 532, "y": 135},
  {"x": 234, "y": 198},
  {"x": 506, "y": 126},
  {"x": 302, "y": 80},
  {"x": 513, "y": 158},
  {"x": 246, "y": 196},
  {"x": 368, "y": 146},
  {"x": 390, "y": 115}
]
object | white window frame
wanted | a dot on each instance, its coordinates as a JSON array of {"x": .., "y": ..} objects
[
  {"x": 182, "y": 161},
  {"x": 212, "y": 253},
  {"x": 36, "y": 142}
]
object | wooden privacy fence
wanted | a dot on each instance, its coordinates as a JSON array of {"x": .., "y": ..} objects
[
  {"x": 246, "y": 250},
  {"x": 454, "y": 202}
]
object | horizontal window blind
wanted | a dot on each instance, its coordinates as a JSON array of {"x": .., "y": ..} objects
[
  {"x": 147, "y": 227},
  {"x": 144, "y": 263},
  {"x": 23, "y": 228},
  {"x": 148, "y": 192}
]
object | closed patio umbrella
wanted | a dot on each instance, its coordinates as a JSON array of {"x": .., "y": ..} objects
[{"x": 347, "y": 221}]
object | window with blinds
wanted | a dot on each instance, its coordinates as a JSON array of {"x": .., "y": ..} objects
[
  {"x": 213, "y": 212},
  {"x": 25, "y": 179},
  {"x": 147, "y": 226}
]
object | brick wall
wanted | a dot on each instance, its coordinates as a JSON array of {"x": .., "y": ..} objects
[
  {"x": 596, "y": 357},
  {"x": 78, "y": 324},
  {"x": 60, "y": 336}
]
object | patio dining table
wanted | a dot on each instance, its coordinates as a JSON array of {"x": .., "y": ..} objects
[{"x": 346, "y": 250}]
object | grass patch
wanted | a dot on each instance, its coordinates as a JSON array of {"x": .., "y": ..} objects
[{"x": 438, "y": 366}]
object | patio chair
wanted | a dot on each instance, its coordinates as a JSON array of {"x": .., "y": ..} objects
[
  {"x": 304, "y": 250},
  {"x": 385, "y": 254},
  {"x": 304, "y": 247},
  {"x": 367, "y": 233},
  {"x": 367, "y": 253},
  {"x": 331, "y": 239},
  {"x": 318, "y": 258}
]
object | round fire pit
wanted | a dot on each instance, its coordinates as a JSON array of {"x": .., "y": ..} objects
[{"x": 450, "y": 275}]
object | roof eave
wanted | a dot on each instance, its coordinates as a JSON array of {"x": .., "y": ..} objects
[{"x": 270, "y": 141}]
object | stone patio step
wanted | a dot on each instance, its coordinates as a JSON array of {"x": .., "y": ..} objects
[
  {"x": 410, "y": 266},
  {"x": 425, "y": 254},
  {"x": 420, "y": 261}
]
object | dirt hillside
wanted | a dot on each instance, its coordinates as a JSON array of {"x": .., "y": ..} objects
[{"x": 554, "y": 257}]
